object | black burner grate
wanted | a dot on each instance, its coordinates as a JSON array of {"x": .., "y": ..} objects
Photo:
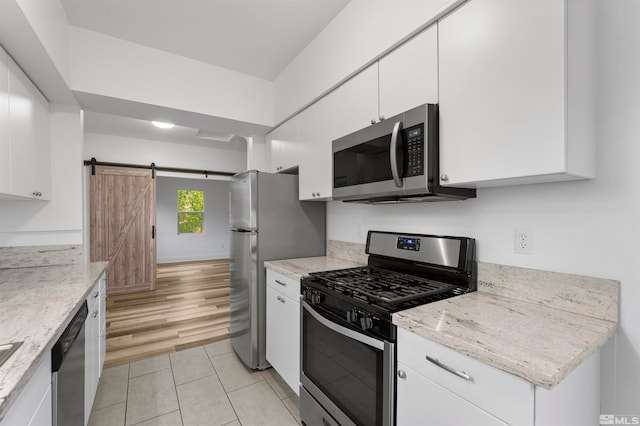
[{"x": 381, "y": 286}]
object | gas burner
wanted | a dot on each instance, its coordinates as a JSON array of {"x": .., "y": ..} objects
[{"x": 380, "y": 286}]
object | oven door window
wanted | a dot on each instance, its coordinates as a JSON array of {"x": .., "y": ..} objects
[
  {"x": 363, "y": 163},
  {"x": 348, "y": 372}
]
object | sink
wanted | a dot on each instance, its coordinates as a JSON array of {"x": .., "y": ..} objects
[{"x": 6, "y": 350}]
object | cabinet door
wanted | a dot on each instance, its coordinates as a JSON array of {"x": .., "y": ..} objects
[
  {"x": 21, "y": 128},
  {"x": 91, "y": 350},
  {"x": 409, "y": 74},
  {"x": 102, "y": 324},
  {"x": 283, "y": 331},
  {"x": 5, "y": 143},
  {"x": 502, "y": 91},
  {"x": 319, "y": 125},
  {"x": 33, "y": 404},
  {"x": 284, "y": 146},
  {"x": 359, "y": 101},
  {"x": 43, "y": 414},
  {"x": 42, "y": 146},
  {"x": 291, "y": 342},
  {"x": 422, "y": 402},
  {"x": 275, "y": 321}
]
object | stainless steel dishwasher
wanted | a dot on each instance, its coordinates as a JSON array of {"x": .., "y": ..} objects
[{"x": 67, "y": 373}]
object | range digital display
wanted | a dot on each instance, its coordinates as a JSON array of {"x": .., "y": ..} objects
[{"x": 405, "y": 243}]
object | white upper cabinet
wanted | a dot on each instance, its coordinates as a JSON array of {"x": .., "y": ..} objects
[
  {"x": 25, "y": 147},
  {"x": 42, "y": 146},
  {"x": 516, "y": 80},
  {"x": 359, "y": 101},
  {"x": 319, "y": 125},
  {"x": 409, "y": 74},
  {"x": 5, "y": 143},
  {"x": 21, "y": 132},
  {"x": 283, "y": 147}
]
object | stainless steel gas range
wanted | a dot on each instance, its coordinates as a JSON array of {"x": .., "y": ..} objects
[{"x": 348, "y": 353}]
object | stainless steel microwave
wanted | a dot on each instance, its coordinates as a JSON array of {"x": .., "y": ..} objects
[{"x": 393, "y": 161}]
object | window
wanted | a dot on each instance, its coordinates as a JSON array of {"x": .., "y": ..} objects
[{"x": 190, "y": 211}]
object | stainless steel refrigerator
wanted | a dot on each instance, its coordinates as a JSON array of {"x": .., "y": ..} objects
[{"x": 268, "y": 222}]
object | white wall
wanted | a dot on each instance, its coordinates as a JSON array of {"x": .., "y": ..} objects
[
  {"x": 213, "y": 242},
  {"x": 119, "y": 149},
  {"x": 587, "y": 227},
  {"x": 107, "y": 66},
  {"x": 58, "y": 221}
]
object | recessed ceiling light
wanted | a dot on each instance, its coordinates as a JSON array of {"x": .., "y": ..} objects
[{"x": 162, "y": 125}]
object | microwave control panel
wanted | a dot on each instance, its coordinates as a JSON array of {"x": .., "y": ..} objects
[{"x": 415, "y": 151}]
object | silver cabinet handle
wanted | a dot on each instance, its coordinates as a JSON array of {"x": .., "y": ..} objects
[
  {"x": 373, "y": 121},
  {"x": 282, "y": 299},
  {"x": 281, "y": 283},
  {"x": 381, "y": 118},
  {"x": 397, "y": 174},
  {"x": 278, "y": 298},
  {"x": 402, "y": 374},
  {"x": 461, "y": 374},
  {"x": 317, "y": 194},
  {"x": 95, "y": 314},
  {"x": 313, "y": 194},
  {"x": 95, "y": 294},
  {"x": 444, "y": 177}
]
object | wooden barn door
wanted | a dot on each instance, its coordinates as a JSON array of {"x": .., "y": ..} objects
[{"x": 122, "y": 221}]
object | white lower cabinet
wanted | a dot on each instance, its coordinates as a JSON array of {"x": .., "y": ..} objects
[
  {"x": 423, "y": 402},
  {"x": 431, "y": 394},
  {"x": 283, "y": 327},
  {"x": 33, "y": 406},
  {"x": 94, "y": 348}
]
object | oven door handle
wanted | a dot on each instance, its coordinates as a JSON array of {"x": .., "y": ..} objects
[
  {"x": 393, "y": 155},
  {"x": 369, "y": 341}
]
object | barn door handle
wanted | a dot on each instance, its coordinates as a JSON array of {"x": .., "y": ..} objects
[{"x": 153, "y": 232}]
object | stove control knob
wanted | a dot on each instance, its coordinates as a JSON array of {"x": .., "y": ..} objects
[
  {"x": 352, "y": 316},
  {"x": 366, "y": 322},
  {"x": 314, "y": 297}
]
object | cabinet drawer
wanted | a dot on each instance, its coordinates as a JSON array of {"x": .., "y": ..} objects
[
  {"x": 422, "y": 402},
  {"x": 503, "y": 395},
  {"x": 285, "y": 285}
]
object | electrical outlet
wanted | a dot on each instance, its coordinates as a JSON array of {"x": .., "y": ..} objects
[{"x": 523, "y": 241}]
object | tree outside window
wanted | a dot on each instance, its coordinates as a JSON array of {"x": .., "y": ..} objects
[{"x": 190, "y": 211}]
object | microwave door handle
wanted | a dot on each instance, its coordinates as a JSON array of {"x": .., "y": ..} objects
[{"x": 393, "y": 158}]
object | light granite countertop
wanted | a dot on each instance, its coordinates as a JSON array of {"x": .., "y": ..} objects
[
  {"x": 534, "y": 324},
  {"x": 298, "y": 268},
  {"x": 537, "y": 329},
  {"x": 36, "y": 305}
]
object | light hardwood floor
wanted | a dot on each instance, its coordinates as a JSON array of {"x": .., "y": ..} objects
[{"x": 188, "y": 308}]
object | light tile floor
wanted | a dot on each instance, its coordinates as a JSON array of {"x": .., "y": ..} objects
[{"x": 207, "y": 385}]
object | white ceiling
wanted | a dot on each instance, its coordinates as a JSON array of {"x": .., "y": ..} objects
[
  {"x": 255, "y": 37},
  {"x": 96, "y": 122}
]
